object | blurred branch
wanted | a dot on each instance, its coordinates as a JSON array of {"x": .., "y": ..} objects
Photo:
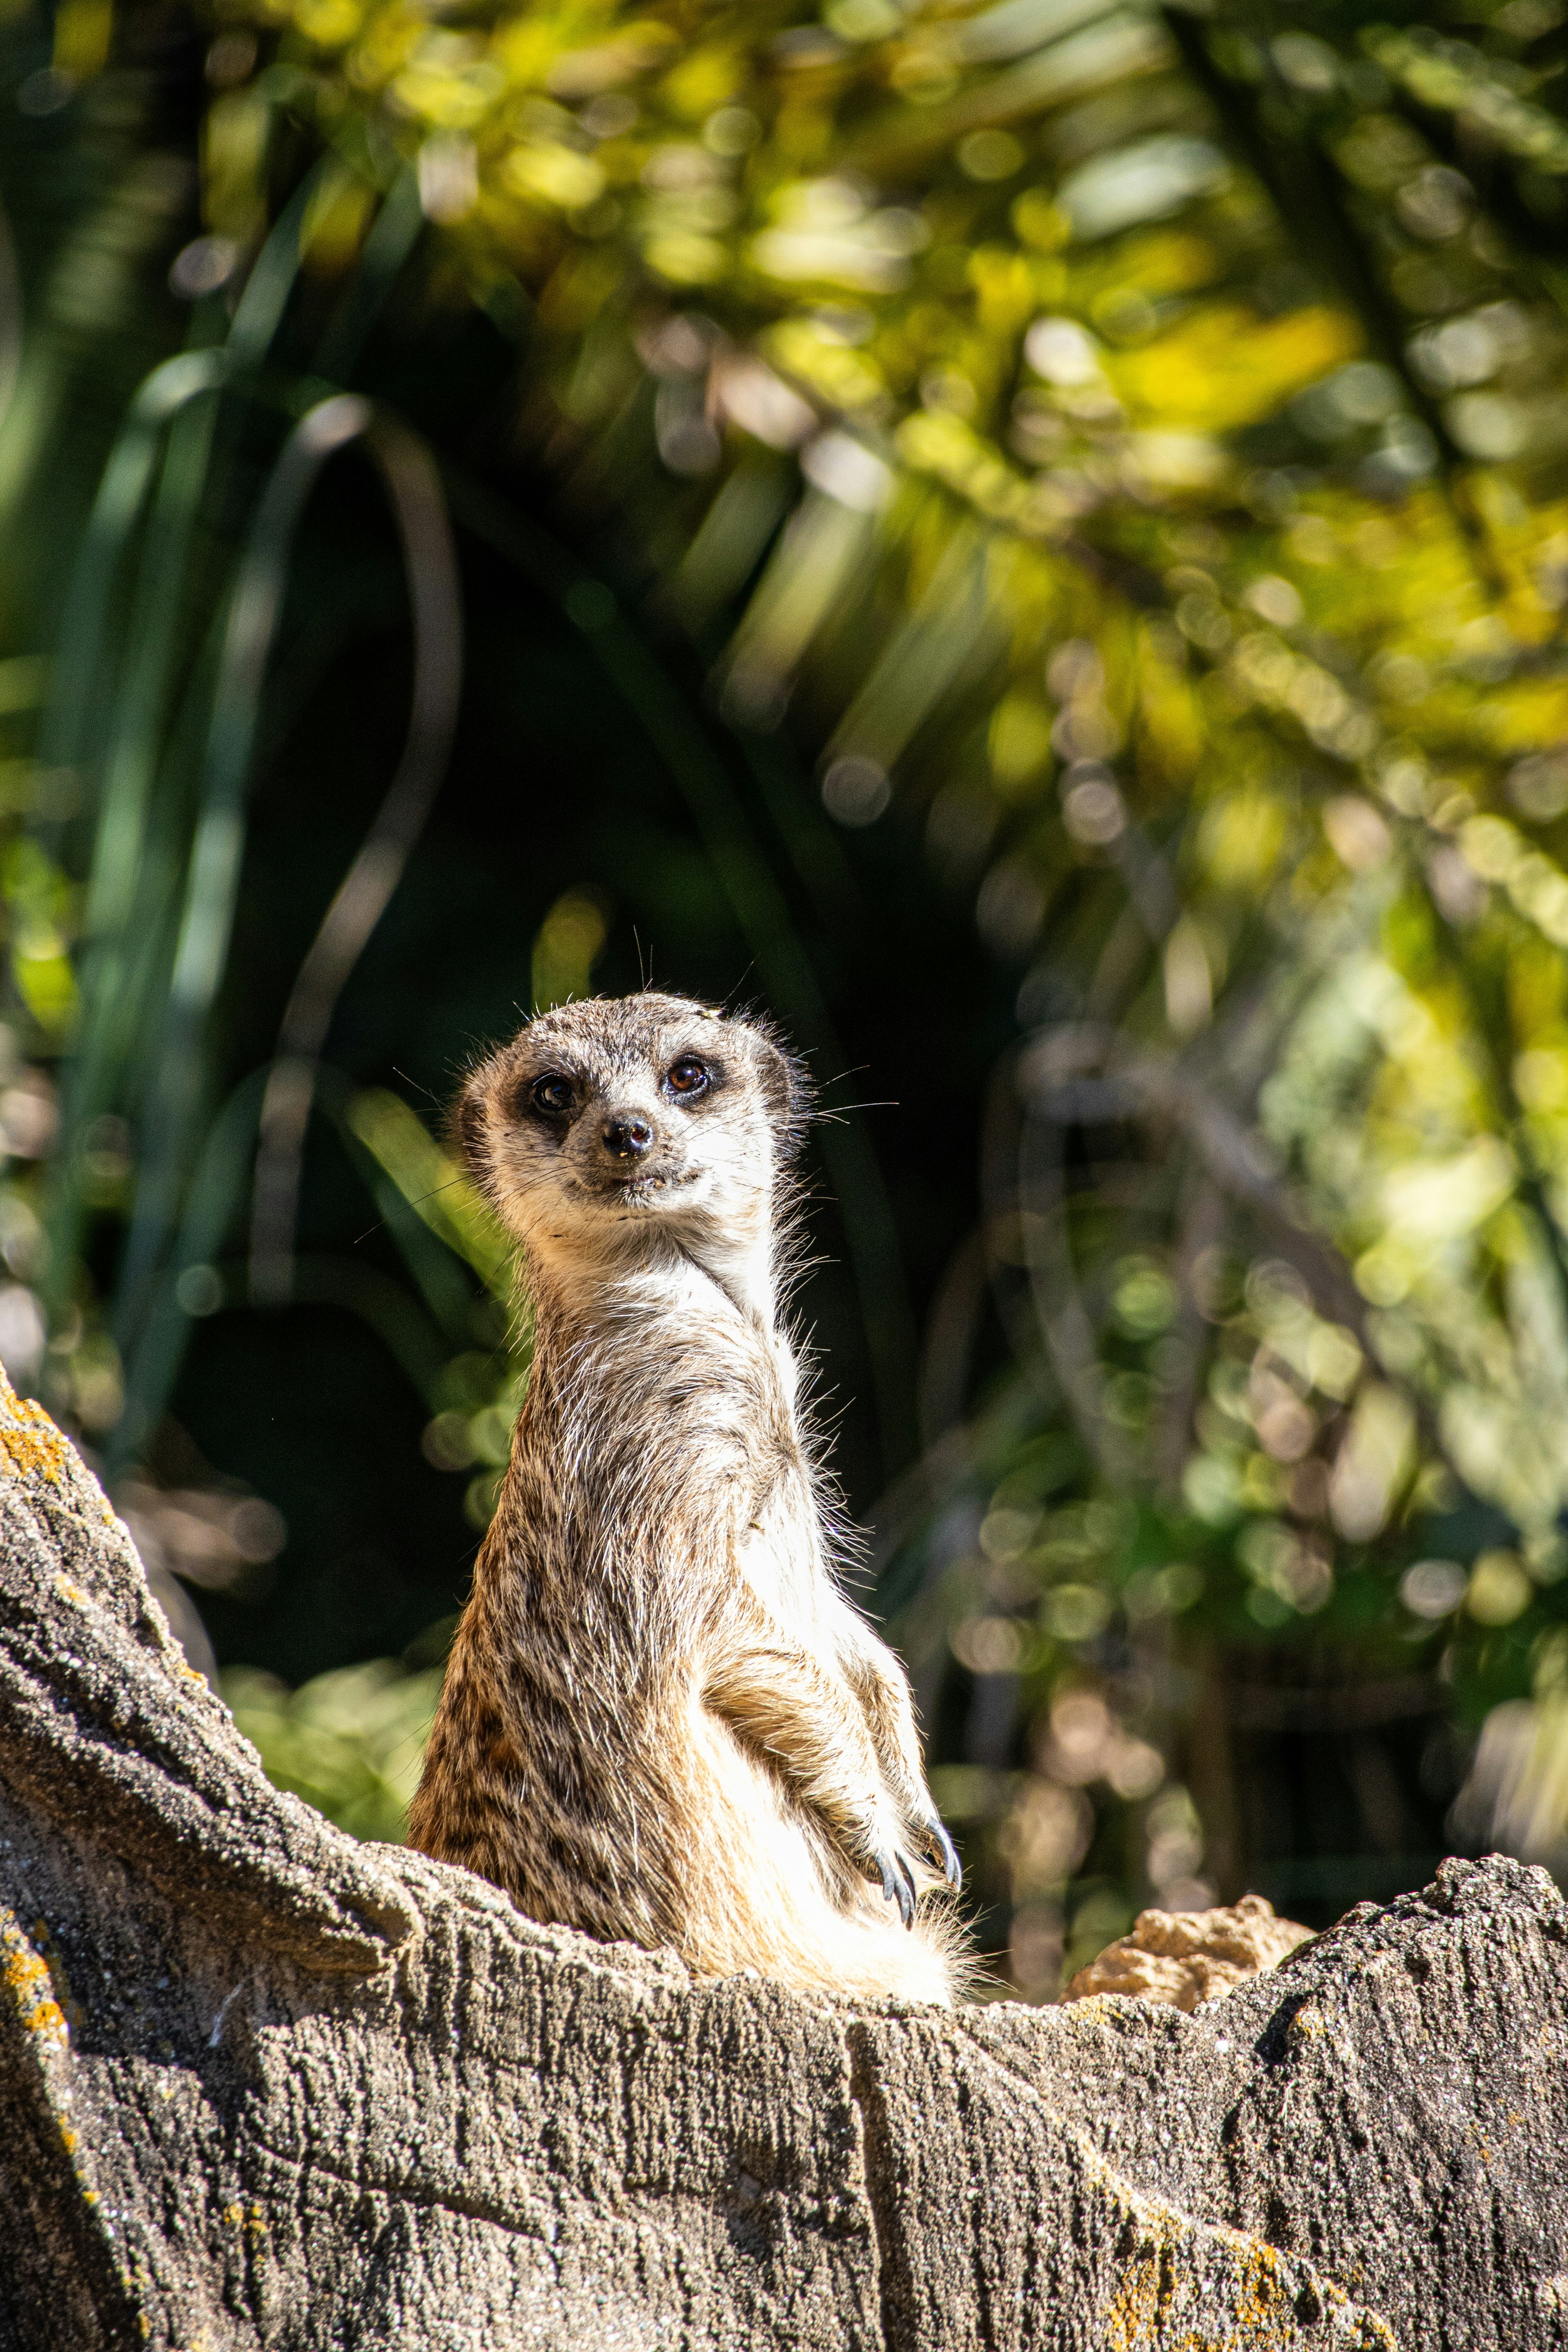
[
  {"x": 1202, "y": 1229},
  {"x": 11, "y": 320},
  {"x": 414, "y": 490},
  {"x": 1068, "y": 1331},
  {"x": 1307, "y": 192}
]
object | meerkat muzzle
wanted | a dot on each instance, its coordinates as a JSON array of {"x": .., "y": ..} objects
[{"x": 627, "y": 1139}]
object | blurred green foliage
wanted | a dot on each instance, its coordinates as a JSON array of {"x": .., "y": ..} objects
[
  {"x": 1123, "y": 449},
  {"x": 352, "y": 1742}
]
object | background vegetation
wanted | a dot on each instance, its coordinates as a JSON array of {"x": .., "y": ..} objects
[{"x": 1031, "y": 539}]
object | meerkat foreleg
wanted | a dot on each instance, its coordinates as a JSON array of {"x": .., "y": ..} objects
[
  {"x": 879, "y": 1682},
  {"x": 814, "y": 1732}
]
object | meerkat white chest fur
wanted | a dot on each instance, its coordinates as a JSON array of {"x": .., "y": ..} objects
[{"x": 662, "y": 1719}]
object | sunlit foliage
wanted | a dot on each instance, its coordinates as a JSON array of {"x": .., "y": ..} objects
[{"x": 1135, "y": 441}]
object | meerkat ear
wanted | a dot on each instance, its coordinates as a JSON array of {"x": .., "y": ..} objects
[
  {"x": 466, "y": 1127},
  {"x": 786, "y": 1087}
]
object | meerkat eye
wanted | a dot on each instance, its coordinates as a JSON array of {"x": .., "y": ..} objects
[
  {"x": 689, "y": 1077},
  {"x": 552, "y": 1096}
]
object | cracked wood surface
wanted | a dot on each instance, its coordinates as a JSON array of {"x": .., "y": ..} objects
[{"x": 263, "y": 2087}]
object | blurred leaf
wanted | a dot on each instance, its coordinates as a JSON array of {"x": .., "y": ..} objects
[{"x": 352, "y": 1742}]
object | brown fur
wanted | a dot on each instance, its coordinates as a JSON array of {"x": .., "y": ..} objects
[{"x": 662, "y": 1720}]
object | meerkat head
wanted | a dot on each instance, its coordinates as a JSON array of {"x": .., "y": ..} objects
[{"x": 606, "y": 1122}]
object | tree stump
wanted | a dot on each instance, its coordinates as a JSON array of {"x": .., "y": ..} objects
[{"x": 263, "y": 2087}]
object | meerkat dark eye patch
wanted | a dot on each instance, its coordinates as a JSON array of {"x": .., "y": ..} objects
[
  {"x": 553, "y": 1096},
  {"x": 688, "y": 1076}
]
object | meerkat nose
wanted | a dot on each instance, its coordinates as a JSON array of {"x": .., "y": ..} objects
[{"x": 627, "y": 1139}]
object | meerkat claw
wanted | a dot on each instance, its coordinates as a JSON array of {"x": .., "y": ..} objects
[
  {"x": 910, "y": 1894},
  {"x": 897, "y": 1884},
  {"x": 944, "y": 1851}
]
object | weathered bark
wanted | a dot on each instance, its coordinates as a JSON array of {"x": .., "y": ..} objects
[{"x": 260, "y": 2085}]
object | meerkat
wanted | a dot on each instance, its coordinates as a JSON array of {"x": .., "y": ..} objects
[{"x": 663, "y": 1721}]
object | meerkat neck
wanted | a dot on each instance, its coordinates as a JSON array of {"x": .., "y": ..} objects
[
  {"x": 655, "y": 1261},
  {"x": 745, "y": 1273}
]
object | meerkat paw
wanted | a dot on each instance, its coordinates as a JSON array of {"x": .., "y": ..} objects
[{"x": 876, "y": 1843}]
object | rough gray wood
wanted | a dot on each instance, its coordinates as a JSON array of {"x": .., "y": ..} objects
[{"x": 260, "y": 2085}]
